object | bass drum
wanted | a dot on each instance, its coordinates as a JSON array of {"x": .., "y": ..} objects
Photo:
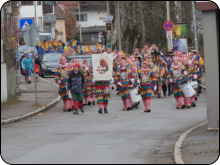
[{"x": 134, "y": 95}]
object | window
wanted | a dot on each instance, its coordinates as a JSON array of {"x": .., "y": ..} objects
[
  {"x": 26, "y": 2},
  {"x": 61, "y": 22},
  {"x": 39, "y": 21},
  {"x": 47, "y": 8},
  {"x": 90, "y": 37},
  {"x": 38, "y": 2},
  {"x": 83, "y": 17}
]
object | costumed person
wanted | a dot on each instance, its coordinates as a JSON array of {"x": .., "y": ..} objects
[
  {"x": 134, "y": 71},
  {"x": 196, "y": 68},
  {"x": 116, "y": 65},
  {"x": 61, "y": 78},
  {"x": 102, "y": 88},
  {"x": 146, "y": 75},
  {"x": 169, "y": 60},
  {"x": 76, "y": 85},
  {"x": 179, "y": 55},
  {"x": 175, "y": 75},
  {"x": 200, "y": 70},
  {"x": 192, "y": 73},
  {"x": 136, "y": 52},
  {"x": 87, "y": 50},
  {"x": 27, "y": 65},
  {"x": 144, "y": 50},
  {"x": 88, "y": 82},
  {"x": 37, "y": 67},
  {"x": 161, "y": 74},
  {"x": 124, "y": 79},
  {"x": 79, "y": 50},
  {"x": 54, "y": 50},
  {"x": 93, "y": 88}
]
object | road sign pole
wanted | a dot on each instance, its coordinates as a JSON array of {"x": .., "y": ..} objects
[
  {"x": 35, "y": 85},
  {"x": 168, "y": 19}
]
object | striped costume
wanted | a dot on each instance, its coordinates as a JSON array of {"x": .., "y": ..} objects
[
  {"x": 101, "y": 97},
  {"x": 145, "y": 76}
]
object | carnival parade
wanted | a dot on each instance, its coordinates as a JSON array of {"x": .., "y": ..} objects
[{"x": 145, "y": 75}]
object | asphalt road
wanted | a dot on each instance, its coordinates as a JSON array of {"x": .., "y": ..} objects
[{"x": 132, "y": 137}]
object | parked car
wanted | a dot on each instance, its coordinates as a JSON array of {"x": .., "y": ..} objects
[
  {"x": 27, "y": 48},
  {"x": 49, "y": 63},
  {"x": 80, "y": 58}
]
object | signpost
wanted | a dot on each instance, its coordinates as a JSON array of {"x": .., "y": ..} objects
[
  {"x": 168, "y": 26},
  {"x": 32, "y": 38},
  {"x": 108, "y": 20}
]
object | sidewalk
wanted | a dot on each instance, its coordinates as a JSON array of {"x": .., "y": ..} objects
[
  {"x": 46, "y": 93},
  {"x": 201, "y": 146}
]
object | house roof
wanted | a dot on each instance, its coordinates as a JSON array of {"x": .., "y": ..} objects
[{"x": 59, "y": 13}]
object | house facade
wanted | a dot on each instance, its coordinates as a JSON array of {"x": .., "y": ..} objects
[
  {"x": 60, "y": 24},
  {"x": 92, "y": 22}
]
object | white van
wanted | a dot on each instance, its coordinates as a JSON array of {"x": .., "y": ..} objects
[{"x": 45, "y": 36}]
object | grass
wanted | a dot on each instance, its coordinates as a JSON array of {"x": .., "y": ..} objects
[
  {"x": 9, "y": 102},
  {"x": 37, "y": 105}
]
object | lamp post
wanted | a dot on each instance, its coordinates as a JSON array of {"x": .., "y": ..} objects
[{"x": 79, "y": 23}]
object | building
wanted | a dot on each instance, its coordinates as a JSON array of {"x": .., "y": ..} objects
[
  {"x": 92, "y": 21},
  {"x": 60, "y": 24},
  {"x": 210, "y": 22}
]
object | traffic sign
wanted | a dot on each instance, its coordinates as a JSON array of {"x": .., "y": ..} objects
[
  {"x": 33, "y": 27},
  {"x": 61, "y": 33},
  {"x": 168, "y": 25},
  {"x": 31, "y": 37},
  {"x": 169, "y": 34},
  {"x": 108, "y": 18},
  {"x": 24, "y": 23}
]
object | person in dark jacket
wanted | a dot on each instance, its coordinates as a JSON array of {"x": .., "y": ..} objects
[{"x": 76, "y": 85}]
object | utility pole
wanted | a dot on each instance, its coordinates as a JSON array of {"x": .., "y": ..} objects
[
  {"x": 119, "y": 28},
  {"x": 79, "y": 23},
  {"x": 194, "y": 25},
  {"x": 108, "y": 15},
  {"x": 35, "y": 12},
  {"x": 168, "y": 19}
]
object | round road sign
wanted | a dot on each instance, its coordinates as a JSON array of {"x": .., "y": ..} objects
[{"x": 168, "y": 25}]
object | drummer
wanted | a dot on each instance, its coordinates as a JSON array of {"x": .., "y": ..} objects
[
  {"x": 175, "y": 75},
  {"x": 135, "y": 70},
  {"x": 146, "y": 76}
]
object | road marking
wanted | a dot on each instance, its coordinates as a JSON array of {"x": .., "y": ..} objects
[{"x": 45, "y": 80}]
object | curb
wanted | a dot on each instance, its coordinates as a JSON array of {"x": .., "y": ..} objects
[
  {"x": 204, "y": 87},
  {"x": 30, "y": 114},
  {"x": 177, "y": 149}
]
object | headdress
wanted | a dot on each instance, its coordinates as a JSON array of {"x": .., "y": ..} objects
[
  {"x": 175, "y": 58},
  {"x": 76, "y": 65},
  {"x": 75, "y": 61},
  {"x": 62, "y": 58}
]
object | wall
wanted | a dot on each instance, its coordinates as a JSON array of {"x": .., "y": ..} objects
[
  {"x": 4, "y": 93},
  {"x": 28, "y": 11},
  {"x": 58, "y": 27},
  {"x": 211, "y": 67},
  {"x": 11, "y": 82},
  {"x": 93, "y": 19}
]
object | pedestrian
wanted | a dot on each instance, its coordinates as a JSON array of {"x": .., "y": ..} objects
[
  {"x": 76, "y": 85},
  {"x": 27, "y": 65},
  {"x": 37, "y": 67}
]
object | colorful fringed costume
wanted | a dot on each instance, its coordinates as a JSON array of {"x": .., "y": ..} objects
[{"x": 176, "y": 74}]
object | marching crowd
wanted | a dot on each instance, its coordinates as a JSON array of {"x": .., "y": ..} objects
[{"x": 148, "y": 71}]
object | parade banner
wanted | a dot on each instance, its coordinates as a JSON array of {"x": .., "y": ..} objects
[
  {"x": 102, "y": 66},
  {"x": 179, "y": 38}
]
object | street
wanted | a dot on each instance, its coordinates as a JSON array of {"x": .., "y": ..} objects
[{"x": 129, "y": 137}]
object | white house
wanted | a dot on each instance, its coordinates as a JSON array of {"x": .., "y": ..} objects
[{"x": 92, "y": 22}]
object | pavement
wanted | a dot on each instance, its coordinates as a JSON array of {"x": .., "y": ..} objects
[
  {"x": 200, "y": 146},
  {"x": 46, "y": 93}
]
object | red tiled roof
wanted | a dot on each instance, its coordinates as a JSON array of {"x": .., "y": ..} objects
[
  {"x": 72, "y": 4},
  {"x": 59, "y": 12}
]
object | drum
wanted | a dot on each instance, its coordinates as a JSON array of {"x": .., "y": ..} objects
[
  {"x": 194, "y": 84},
  {"x": 186, "y": 88},
  {"x": 134, "y": 95}
]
